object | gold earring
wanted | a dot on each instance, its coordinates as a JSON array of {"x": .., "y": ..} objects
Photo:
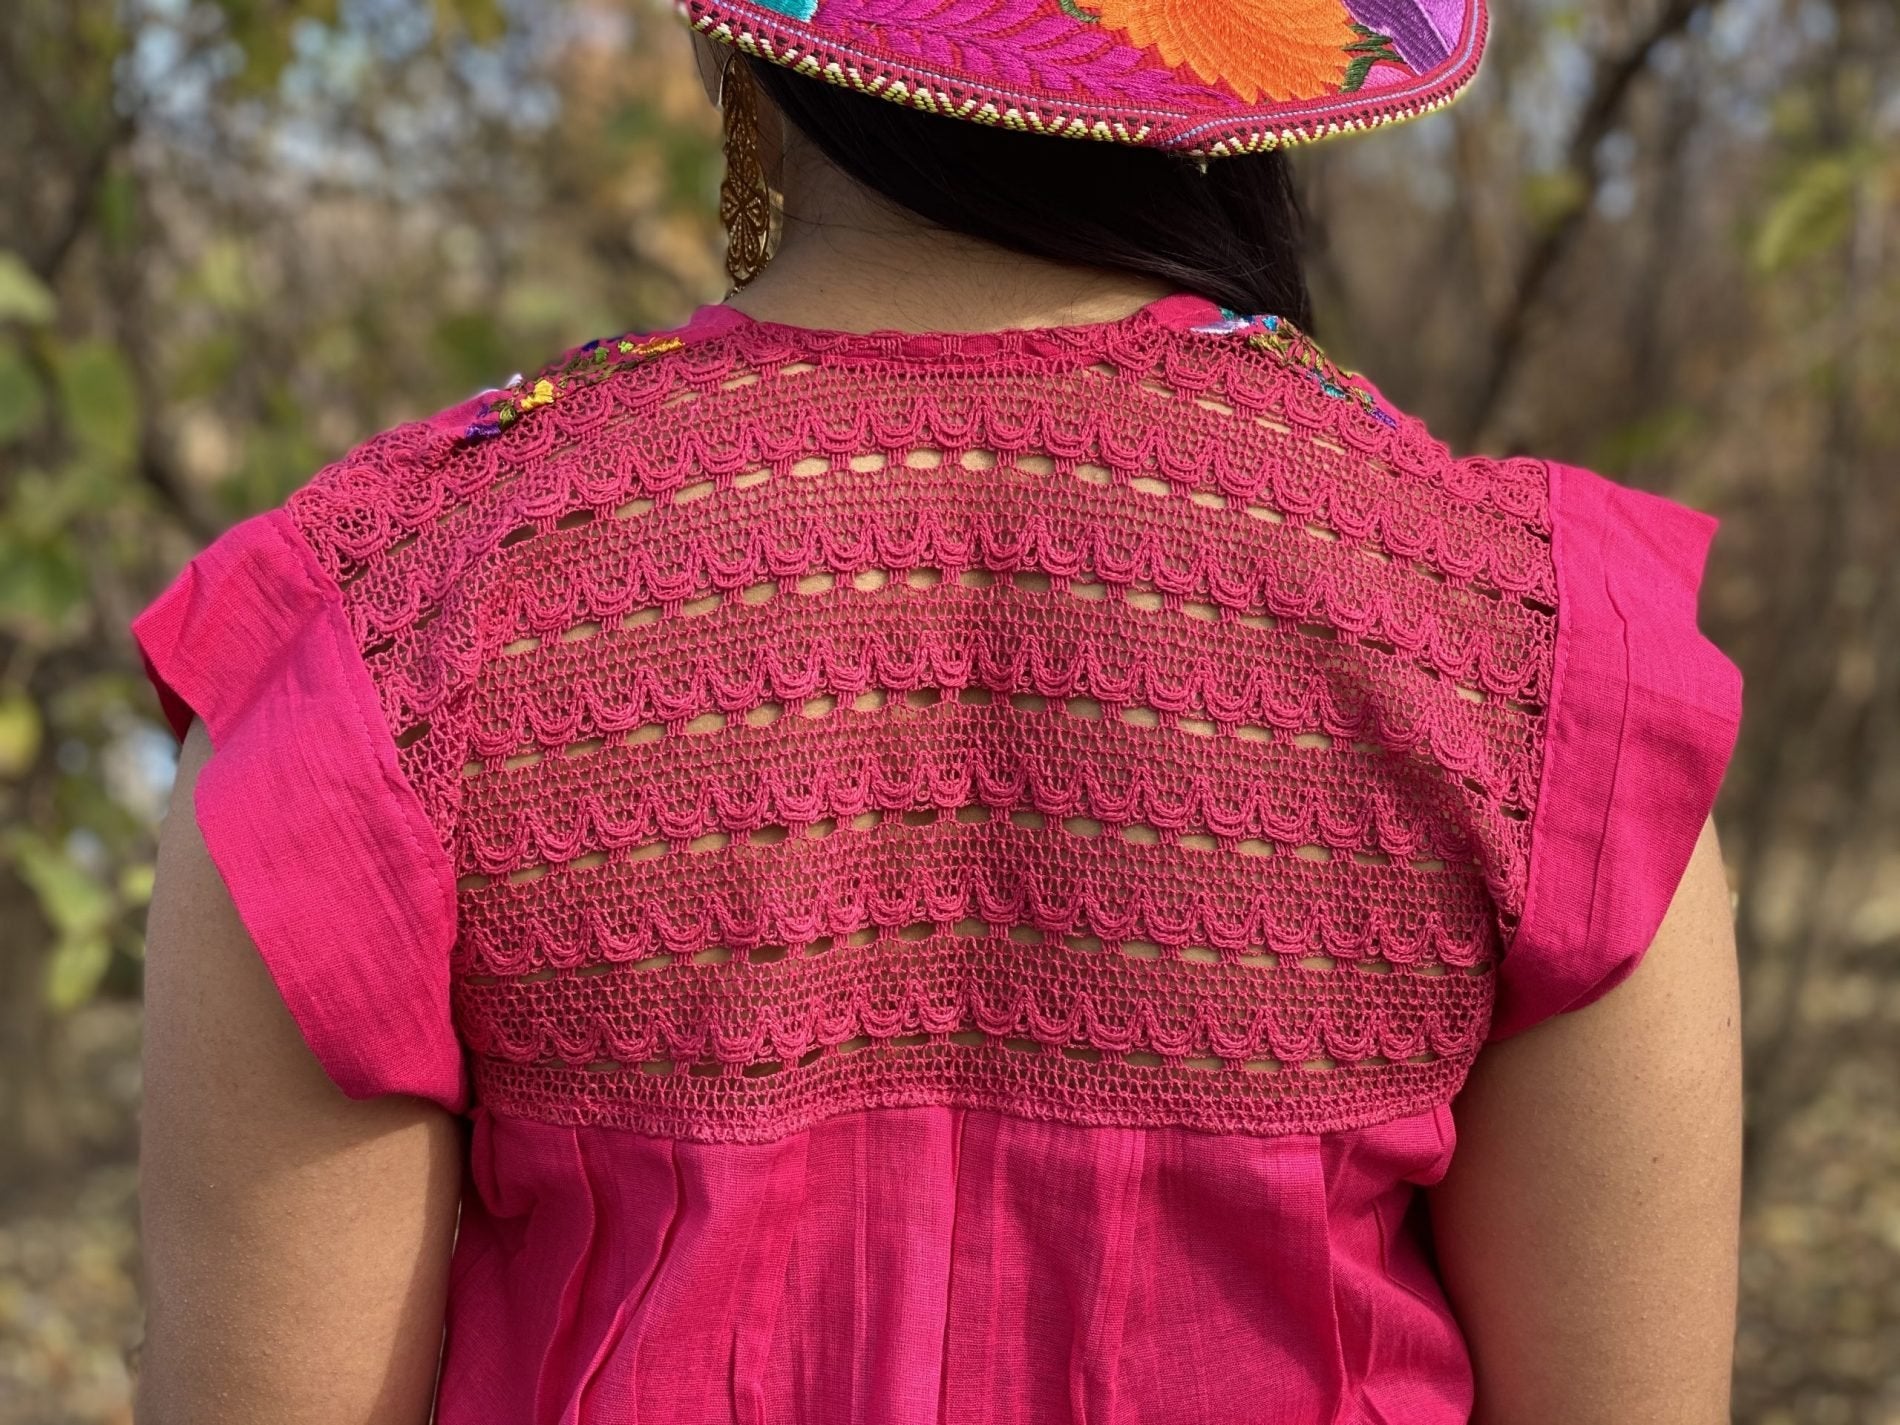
[{"x": 745, "y": 199}]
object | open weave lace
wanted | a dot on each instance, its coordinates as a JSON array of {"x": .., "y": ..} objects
[{"x": 1106, "y": 724}]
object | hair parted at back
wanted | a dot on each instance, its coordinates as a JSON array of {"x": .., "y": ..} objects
[{"x": 1226, "y": 228}]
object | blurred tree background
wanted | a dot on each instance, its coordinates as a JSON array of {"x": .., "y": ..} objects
[{"x": 238, "y": 236}]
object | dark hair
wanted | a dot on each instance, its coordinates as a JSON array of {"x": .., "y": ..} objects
[{"x": 1229, "y": 230}]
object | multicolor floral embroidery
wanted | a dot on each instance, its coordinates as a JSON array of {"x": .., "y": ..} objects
[
  {"x": 1290, "y": 344},
  {"x": 581, "y": 367},
  {"x": 1207, "y": 77},
  {"x": 1218, "y": 43},
  {"x": 1422, "y": 34}
]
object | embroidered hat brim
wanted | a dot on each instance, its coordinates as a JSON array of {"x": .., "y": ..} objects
[{"x": 1206, "y": 77}]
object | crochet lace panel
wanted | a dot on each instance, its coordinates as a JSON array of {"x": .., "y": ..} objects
[{"x": 1100, "y": 724}]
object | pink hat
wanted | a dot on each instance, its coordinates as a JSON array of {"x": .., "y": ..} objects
[{"x": 1209, "y": 77}]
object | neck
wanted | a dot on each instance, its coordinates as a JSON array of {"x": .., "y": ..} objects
[{"x": 847, "y": 260}]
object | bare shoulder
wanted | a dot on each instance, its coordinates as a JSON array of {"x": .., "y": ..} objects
[
  {"x": 295, "y": 1241},
  {"x": 1587, "y": 1228}
]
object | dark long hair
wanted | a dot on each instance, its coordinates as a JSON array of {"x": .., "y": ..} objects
[{"x": 1229, "y": 230}]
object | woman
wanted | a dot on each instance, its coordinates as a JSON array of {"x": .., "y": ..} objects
[{"x": 976, "y": 833}]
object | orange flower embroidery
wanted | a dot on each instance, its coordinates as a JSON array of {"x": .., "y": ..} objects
[{"x": 1279, "y": 49}]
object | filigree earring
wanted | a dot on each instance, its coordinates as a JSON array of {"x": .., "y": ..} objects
[{"x": 745, "y": 198}]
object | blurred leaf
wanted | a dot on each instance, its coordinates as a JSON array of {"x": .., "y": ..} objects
[
  {"x": 470, "y": 347},
  {"x": 206, "y": 366},
  {"x": 1810, "y": 216},
  {"x": 118, "y": 210},
  {"x": 222, "y": 276},
  {"x": 100, "y": 400},
  {"x": 77, "y": 966},
  {"x": 41, "y": 587},
  {"x": 80, "y": 910},
  {"x": 20, "y": 734},
  {"x": 73, "y": 901},
  {"x": 135, "y": 883},
  {"x": 23, "y": 297},
  {"x": 1547, "y": 198},
  {"x": 21, "y": 399},
  {"x": 278, "y": 455},
  {"x": 1794, "y": 115},
  {"x": 262, "y": 31},
  {"x": 46, "y": 504},
  {"x": 1657, "y": 436},
  {"x": 483, "y": 21}
]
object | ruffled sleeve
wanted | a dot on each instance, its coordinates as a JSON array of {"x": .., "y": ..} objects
[
  {"x": 1643, "y": 717},
  {"x": 325, "y": 848}
]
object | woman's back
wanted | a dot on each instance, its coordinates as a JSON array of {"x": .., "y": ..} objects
[
  {"x": 952, "y": 875},
  {"x": 980, "y": 861}
]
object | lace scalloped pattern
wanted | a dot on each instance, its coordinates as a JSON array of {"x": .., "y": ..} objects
[{"x": 1102, "y": 724}]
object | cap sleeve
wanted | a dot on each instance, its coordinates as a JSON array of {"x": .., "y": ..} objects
[
  {"x": 325, "y": 848},
  {"x": 1642, "y": 720}
]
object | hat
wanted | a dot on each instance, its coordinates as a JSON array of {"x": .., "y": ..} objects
[{"x": 1204, "y": 77}]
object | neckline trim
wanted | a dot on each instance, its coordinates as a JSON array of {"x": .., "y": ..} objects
[{"x": 1176, "y": 310}]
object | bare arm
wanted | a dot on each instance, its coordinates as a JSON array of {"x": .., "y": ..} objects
[
  {"x": 1587, "y": 1229},
  {"x": 295, "y": 1241}
]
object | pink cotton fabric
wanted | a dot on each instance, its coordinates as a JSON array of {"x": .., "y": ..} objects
[
  {"x": 924, "y": 1264},
  {"x": 924, "y": 1261},
  {"x": 328, "y": 854},
  {"x": 1638, "y": 722}
]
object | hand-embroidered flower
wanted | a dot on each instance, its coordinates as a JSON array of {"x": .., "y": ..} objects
[
  {"x": 581, "y": 367},
  {"x": 1261, "y": 49},
  {"x": 1422, "y": 32},
  {"x": 1297, "y": 349}
]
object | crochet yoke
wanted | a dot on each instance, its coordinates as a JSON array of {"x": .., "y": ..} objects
[{"x": 1136, "y": 723}]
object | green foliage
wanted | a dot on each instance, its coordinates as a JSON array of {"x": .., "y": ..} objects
[
  {"x": 1812, "y": 214},
  {"x": 261, "y": 33},
  {"x": 23, "y": 297},
  {"x": 483, "y": 21},
  {"x": 636, "y": 131},
  {"x": 22, "y": 401},
  {"x": 221, "y": 278},
  {"x": 1655, "y": 437},
  {"x": 98, "y": 402},
  {"x": 278, "y": 455},
  {"x": 205, "y": 366},
  {"x": 117, "y": 203},
  {"x": 20, "y": 733},
  {"x": 1551, "y": 196},
  {"x": 471, "y": 347},
  {"x": 217, "y": 321},
  {"x": 43, "y": 585},
  {"x": 81, "y": 911}
]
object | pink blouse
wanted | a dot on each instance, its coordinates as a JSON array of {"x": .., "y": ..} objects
[{"x": 956, "y": 876}]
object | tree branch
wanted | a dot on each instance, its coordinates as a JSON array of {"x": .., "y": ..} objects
[{"x": 1609, "y": 93}]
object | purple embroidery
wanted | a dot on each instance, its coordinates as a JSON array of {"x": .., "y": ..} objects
[{"x": 1410, "y": 24}]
